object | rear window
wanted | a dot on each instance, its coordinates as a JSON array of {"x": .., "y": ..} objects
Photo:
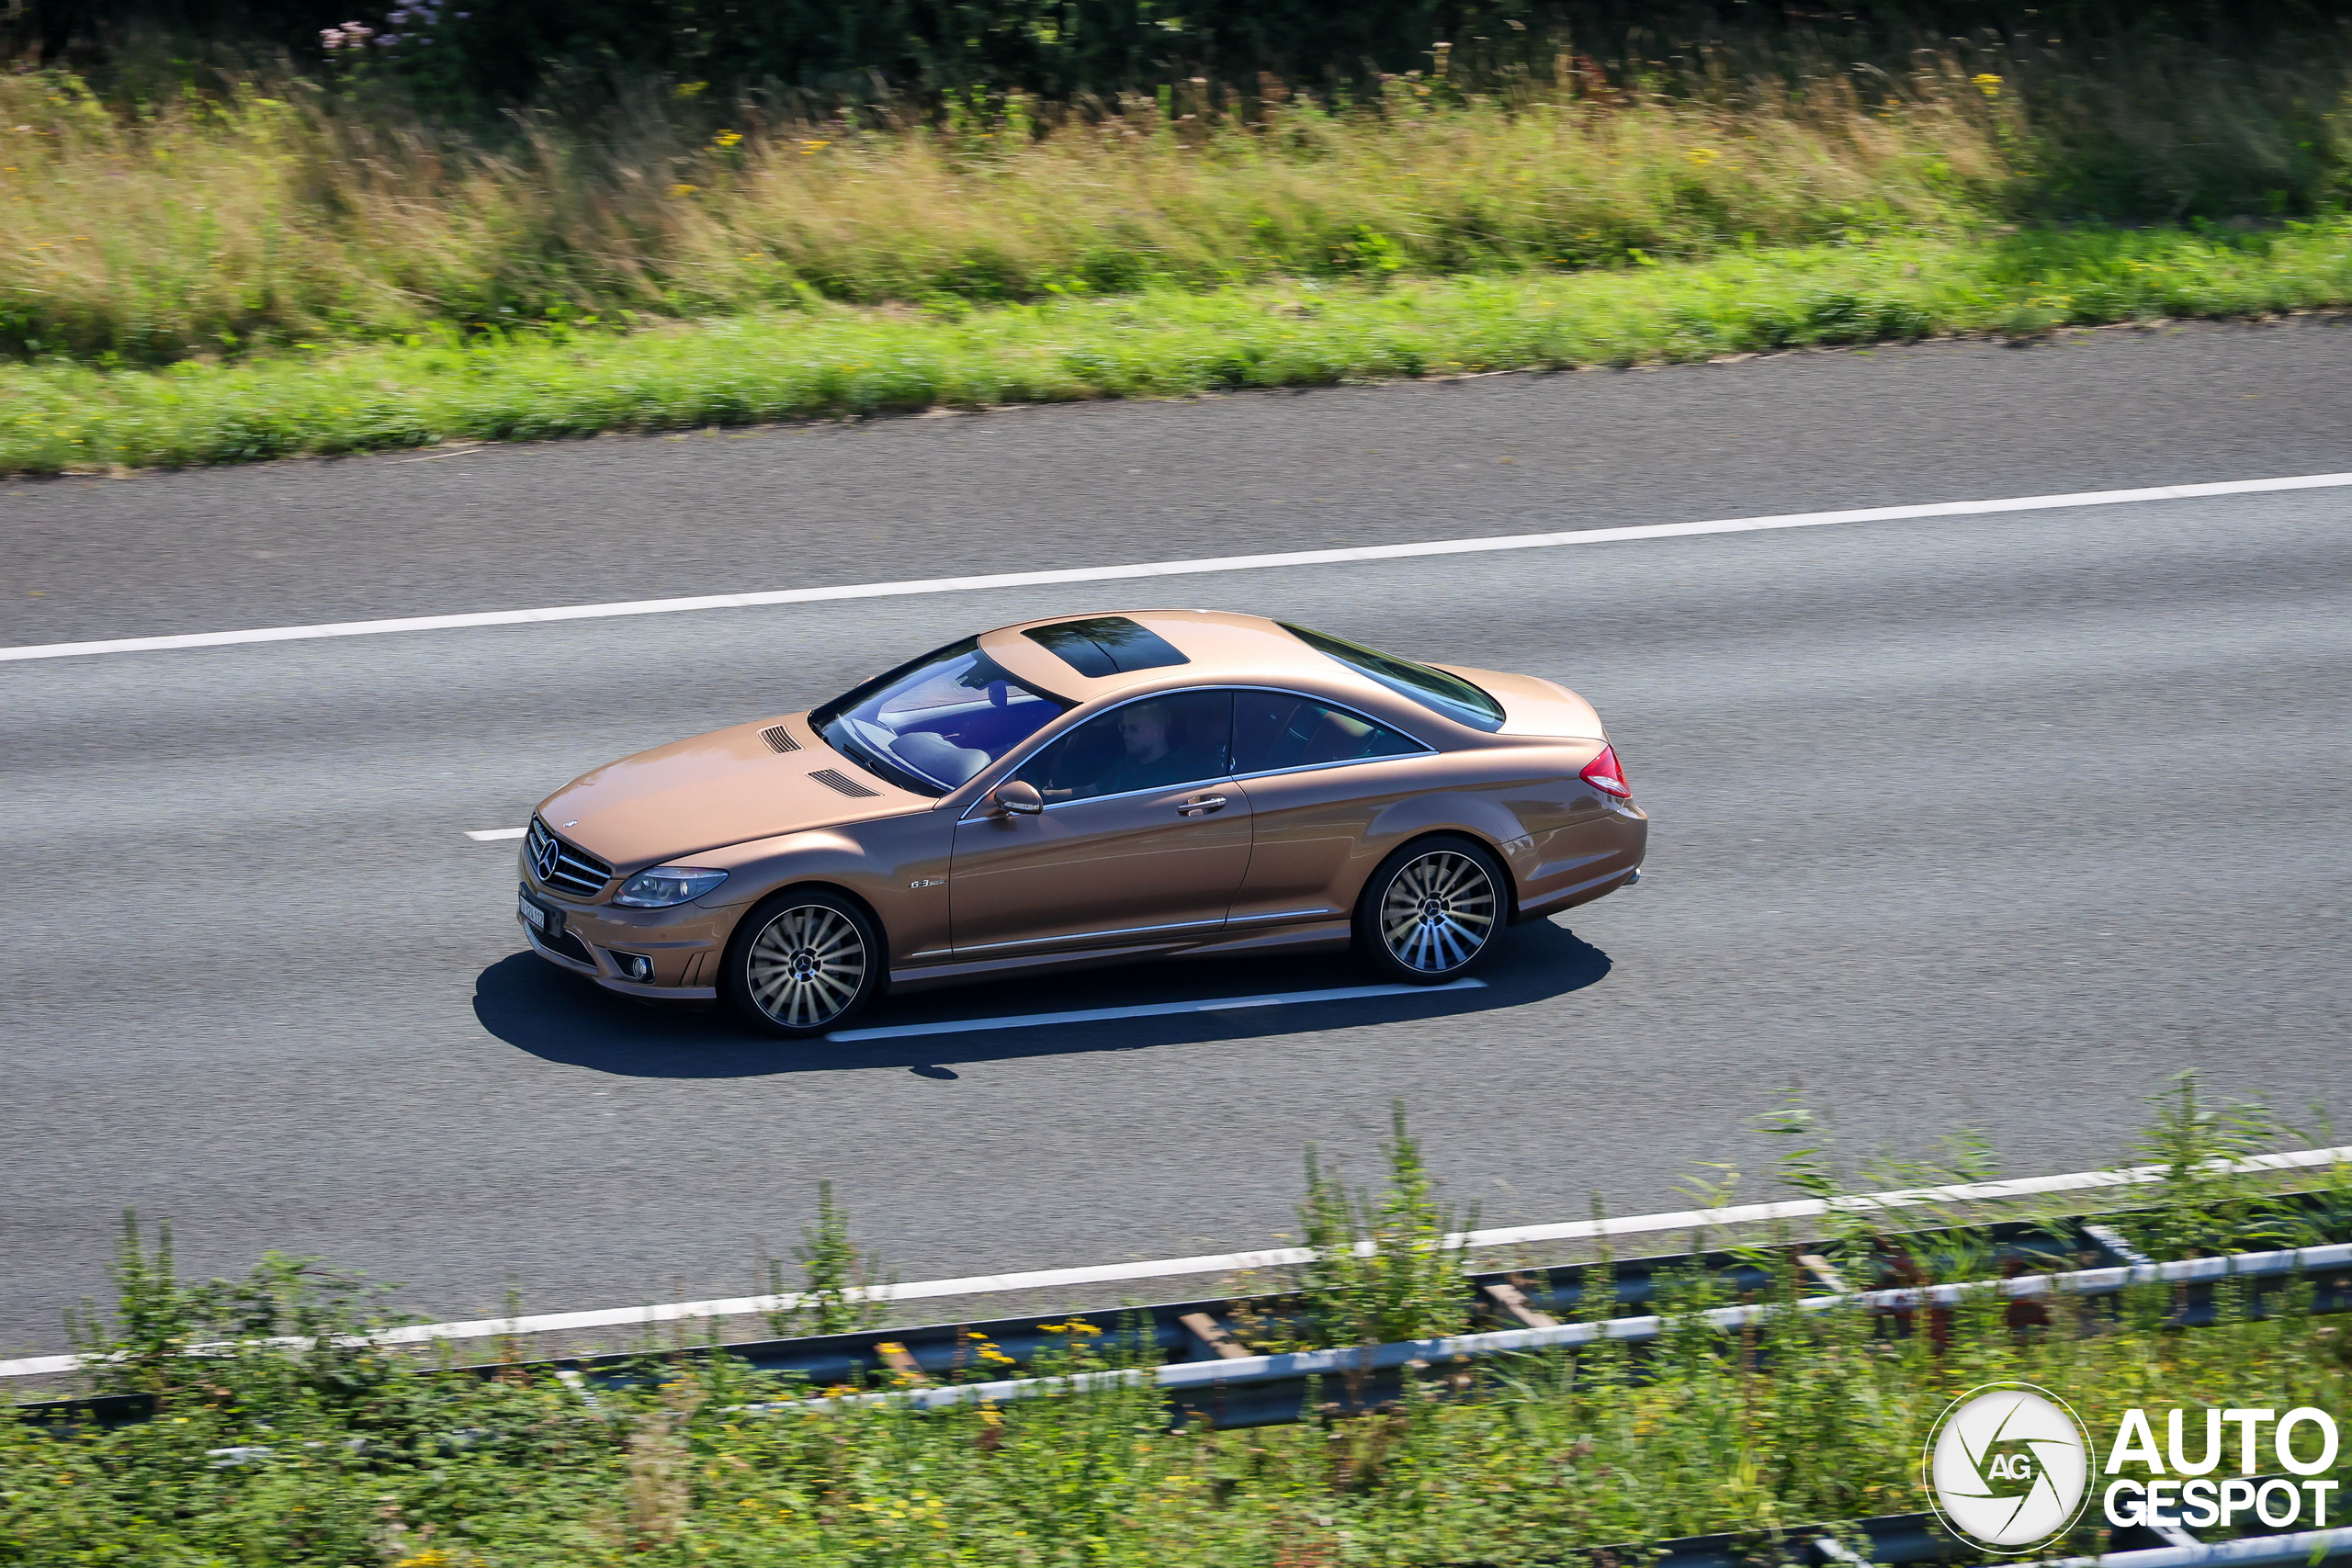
[
  {"x": 1106, "y": 645},
  {"x": 1276, "y": 731},
  {"x": 1451, "y": 696}
]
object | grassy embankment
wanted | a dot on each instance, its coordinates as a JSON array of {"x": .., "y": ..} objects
[
  {"x": 212, "y": 279},
  {"x": 347, "y": 1460}
]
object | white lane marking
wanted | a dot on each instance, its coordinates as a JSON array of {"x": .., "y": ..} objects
[
  {"x": 436, "y": 456},
  {"x": 1150, "y": 1009},
  {"x": 1692, "y": 1220},
  {"x": 491, "y": 835},
  {"x": 1173, "y": 568}
]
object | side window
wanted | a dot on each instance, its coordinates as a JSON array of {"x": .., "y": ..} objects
[
  {"x": 1273, "y": 730},
  {"x": 1157, "y": 743}
]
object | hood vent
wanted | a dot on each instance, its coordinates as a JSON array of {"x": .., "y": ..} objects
[
  {"x": 779, "y": 738},
  {"x": 833, "y": 780}
]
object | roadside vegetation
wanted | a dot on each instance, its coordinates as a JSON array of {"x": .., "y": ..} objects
[
  {"x": 264, "y": 1454},
  {"x": 831, "y": 362},
  {"x": 218, "y": 264}
]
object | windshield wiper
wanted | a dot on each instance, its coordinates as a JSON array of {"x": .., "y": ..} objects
[{"x": 852, "y": 745}]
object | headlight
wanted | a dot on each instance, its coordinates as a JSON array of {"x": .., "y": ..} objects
[{"x": 665, "y": 886}]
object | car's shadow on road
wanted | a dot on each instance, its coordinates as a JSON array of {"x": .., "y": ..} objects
[{"x": 536, "y": 1007}]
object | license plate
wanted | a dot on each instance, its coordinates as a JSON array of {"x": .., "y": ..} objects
[{"x": 532, "y": 912}]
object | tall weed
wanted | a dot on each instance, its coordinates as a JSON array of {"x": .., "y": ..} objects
[{"x": 1388, "y": 1265}]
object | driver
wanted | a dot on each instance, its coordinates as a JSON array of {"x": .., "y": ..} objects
[
  {"x": 1155, "y": 744},
  {"x": 1148, "y": 759}
]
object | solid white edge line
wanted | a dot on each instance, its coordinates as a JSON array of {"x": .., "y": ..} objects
[
  {"x": 1144, "y": 1009},
  {"x": 1175, "y": 568},
  {"x": 491, "y": 835},
  {"x": 1235, "y": 1262}
]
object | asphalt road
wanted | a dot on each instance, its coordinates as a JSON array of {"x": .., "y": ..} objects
[{"x": 1994, "y": 821}]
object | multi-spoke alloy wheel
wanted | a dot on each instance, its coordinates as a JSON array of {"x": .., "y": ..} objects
[
  {"x": 807, "y": 961},
  {"x": 1431, "y": 909}
]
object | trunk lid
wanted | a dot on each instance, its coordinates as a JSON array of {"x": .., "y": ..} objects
[{"x": 1534, "y": 706}]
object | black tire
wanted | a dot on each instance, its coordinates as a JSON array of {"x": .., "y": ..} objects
[
  {"x": 1432, "y": 911},
  {"x": 802, "y": 962}
]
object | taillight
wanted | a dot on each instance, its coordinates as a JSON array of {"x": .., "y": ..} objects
[{"x": 1603, "y": 774}]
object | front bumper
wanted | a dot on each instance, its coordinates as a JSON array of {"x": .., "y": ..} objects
[{"x": 684, "y": 944}]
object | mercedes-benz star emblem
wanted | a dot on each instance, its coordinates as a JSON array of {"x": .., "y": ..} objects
[{"x": 543, "y": 857}]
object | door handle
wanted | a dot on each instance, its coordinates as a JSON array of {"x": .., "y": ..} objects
[{"x": 1201, "y": 805}]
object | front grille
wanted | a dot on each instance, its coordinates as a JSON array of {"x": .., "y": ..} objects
[
  {"x": 833, "y": 780},
  {"x": 564, "y": 867},
  {"x": 779, "y": 738}
]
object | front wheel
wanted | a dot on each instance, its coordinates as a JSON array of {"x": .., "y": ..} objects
[
  {"x": 802, "y": 962},
  {"x": 1431, "y": 911}
]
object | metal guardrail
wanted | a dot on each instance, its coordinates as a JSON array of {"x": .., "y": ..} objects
[
  {"x": 1902, "y": 1541},
  {"x": 1215, "y": 1331},
  {"x": 1240, "y": 1390},
  {"x": 2304, "y": 1546},
  {"x": 1207, "y": 1365},
  {"x": 1714, "y": 1222},
  {"x": 1204, "y": 1386}
]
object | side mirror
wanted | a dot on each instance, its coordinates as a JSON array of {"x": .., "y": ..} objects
[{"x": 1016, "y": 797}]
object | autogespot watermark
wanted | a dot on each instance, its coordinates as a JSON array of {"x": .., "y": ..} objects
[{"x": 2009, "y": 1468}]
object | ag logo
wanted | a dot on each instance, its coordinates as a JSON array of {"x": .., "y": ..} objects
[{"x": 2008, "y": 1467}]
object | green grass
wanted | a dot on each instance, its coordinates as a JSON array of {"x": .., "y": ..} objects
[
  {"x": 1562, "y": 1453},
  {"x": 837, "y": 362},
  {"x": 1816, "y": 1419}
]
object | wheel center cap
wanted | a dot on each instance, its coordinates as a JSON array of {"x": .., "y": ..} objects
[
  {"x": 804, "y": 964},
  {"x": 1433, "y": 910}
]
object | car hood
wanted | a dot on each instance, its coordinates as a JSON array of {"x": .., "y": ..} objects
[
  {"x": 726, "y": 787},
  {"x": 1534, "y": 706}
]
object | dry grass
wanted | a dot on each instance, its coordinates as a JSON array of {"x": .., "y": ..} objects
[
  {"x": 208, "y": 226},
  {"x": 323, "y": 272}
]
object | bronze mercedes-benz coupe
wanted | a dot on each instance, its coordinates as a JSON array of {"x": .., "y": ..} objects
[{"x": 1082, "y": 790}]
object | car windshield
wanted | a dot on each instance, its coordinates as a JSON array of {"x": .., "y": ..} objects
[
  {"x": 1451, "y": 696},
  {"x": 930, "y": 725}
]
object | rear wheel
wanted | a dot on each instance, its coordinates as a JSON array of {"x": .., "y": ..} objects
[
  {"x": 802, "y": 962},
  {"x": 1431, "y": 910}
]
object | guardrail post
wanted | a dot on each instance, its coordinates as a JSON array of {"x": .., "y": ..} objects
[
  {"x": 1213, "y": 1334},
  {"x": 1512, "y": 1300}
]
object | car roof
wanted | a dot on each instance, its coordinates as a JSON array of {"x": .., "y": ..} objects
[{"x": 1217, "y": 646}]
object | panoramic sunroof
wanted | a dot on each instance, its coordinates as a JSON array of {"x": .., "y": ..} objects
[{"x": 1106, "y": 645}]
